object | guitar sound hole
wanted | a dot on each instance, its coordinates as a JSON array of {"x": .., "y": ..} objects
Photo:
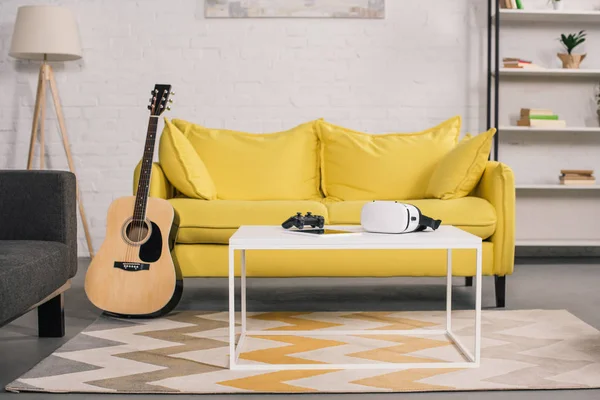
[{"x": 137, "y": 231}]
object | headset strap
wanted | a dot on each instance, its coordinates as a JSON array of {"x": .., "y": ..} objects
[{"x": 429, "y": 222}]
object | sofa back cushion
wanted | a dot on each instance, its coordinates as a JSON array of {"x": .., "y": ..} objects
[
  {"x": 247, "y": 166},
  {"x": 183, "y": 166},
  {"x": 397, "y": 166},
  {"x": 460, "y": 170}
]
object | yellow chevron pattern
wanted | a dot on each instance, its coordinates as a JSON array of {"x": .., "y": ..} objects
[
  {"x": 274, "y": 382},
  {"x": 293, "y": 323},
  {"x": 280, "y": 355}
]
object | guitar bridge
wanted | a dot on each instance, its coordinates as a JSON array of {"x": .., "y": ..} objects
[{"x": 132, "y": 266}]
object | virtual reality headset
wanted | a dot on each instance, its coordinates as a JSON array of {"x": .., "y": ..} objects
[{"x": 394, "y": 217}]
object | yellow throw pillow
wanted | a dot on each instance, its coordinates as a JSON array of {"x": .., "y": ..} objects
[
  {"x": 458, "y": 173},
  {"x": 183, "y": 166},
  {"x": 247, "y": 166},
  {"x": 397, "y": 166}
]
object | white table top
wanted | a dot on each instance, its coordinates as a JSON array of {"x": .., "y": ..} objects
[{"x": 273, "y": 237}]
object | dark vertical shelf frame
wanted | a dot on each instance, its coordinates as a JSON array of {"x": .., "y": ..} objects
[{"x": 493, "y": 73}]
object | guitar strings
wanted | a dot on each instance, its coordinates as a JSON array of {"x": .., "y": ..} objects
[{"x": 138, "y": 225}]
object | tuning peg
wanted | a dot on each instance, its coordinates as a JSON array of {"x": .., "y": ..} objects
[
  {"x": 149, "y": 107},
  {"x": 155, "y": 91},
  {"x": 172, "y": 93},
  {"x": 170, "y": 100},
  {"x": 168, "y": 108}
]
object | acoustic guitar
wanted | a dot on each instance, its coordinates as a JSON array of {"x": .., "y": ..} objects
[{"x": 135, "y": 273}]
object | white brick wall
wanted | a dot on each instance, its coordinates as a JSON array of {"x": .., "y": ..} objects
[{"x": 424, "y": 63}]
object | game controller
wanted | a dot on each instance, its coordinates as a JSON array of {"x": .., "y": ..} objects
[{"x": 299, "y": 221}]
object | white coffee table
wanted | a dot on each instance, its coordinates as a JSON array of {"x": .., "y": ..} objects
[{"x": 275, "y": 238}]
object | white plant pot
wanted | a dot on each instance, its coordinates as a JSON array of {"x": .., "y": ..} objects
[{"x": 558, "y": 5}]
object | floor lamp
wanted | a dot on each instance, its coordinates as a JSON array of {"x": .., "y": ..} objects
[{"x": 48, "y": 33}]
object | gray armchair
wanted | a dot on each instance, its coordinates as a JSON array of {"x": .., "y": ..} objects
[{"x": 38, "y": 245}]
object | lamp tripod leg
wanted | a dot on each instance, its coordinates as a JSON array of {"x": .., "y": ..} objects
[
  {"x": 42, "y": 114},
  {"x": 65, "y": 140},
  {"x": 36, "y": 116}
]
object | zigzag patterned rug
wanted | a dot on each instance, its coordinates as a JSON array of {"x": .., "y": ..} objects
[{"x": 187, "y": 352}]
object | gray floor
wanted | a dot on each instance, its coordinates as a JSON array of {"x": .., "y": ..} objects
[{"x": 573, "y": 285}]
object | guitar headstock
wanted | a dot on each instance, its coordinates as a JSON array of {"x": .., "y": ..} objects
[{"x": 160, "y": 100}]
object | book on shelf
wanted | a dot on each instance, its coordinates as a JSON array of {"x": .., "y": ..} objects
[
  {"x": 528, "y": 66},
  {"x": 564, "y": 181},
  {"x": 515, "y": 60},
  {"x": 545, "y": 117},
  {"x": 511, "y": 4},
  {"x": 578, "y": 172},
  {"x": 542, "y": 123},
  {"x": 526, "y": 112},
  {"x": 577, "y": 178}
]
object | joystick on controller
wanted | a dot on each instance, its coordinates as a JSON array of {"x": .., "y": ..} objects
[{"x": 299, "y": 221}]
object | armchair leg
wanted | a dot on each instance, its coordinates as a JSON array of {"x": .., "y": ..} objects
[
  {"x": 51, "y": 317},
  {"x": 500, "y": 283},
  {"x": 468, "y": 281}
]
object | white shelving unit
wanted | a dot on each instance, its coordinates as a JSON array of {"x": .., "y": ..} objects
[
  {"x": 537, "y": 201},
  {"x": 556, "y": 186},
  {"x": 550, "y": 73},
  {"x": 526, "y": 129},
  {"x": 576, "y": 16},
  {"x": 553, "y": 242}
]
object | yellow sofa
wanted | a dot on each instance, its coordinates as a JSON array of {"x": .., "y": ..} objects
[{"x": 206, "y": 225}]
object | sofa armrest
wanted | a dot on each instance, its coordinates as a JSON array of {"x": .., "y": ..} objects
[
  {"x": 498, "y": 187},
  {"x": 159, "y": 184},
  {"x": 40, "y": 205}
]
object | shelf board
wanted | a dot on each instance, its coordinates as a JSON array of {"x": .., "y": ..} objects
[
  {"x": 548, "y": 15},
  {"x": 553, "y": 73},
  {"x": 558, "y": 242},
  {"x": 526, "y": 129},
  {"x": 556, "y": 186}
]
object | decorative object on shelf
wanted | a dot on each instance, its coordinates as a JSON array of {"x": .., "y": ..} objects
[
  {"x": 48, "y": 33},
  {"x": 571, "y": 41},
  {"x": 540, "y": 118},
  {"x": 510, "y": 62},
  {"x": 577, "y": 177},
  {"x": 362, "y": 9},
  {"x": 557, "y": 4}
]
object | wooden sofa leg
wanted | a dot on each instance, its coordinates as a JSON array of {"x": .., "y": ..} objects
[
  {"x": 468, "y": 281},
  {"x": 51, "y": 317},
  {"x": 500, "y": 283}
]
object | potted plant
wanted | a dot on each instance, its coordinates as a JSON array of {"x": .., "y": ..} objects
[
  {"x": 571, "y": 41},
  {"x": 557, "y": 4},
  {"x": 598, "y": 101}
]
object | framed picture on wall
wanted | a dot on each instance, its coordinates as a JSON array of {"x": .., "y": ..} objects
[{"x": 361, "y": 9}]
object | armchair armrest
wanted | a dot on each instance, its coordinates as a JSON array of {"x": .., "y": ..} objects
[
  {"x": 40, "y": 205},
  {"x": 498, "y": 187},
  {"x": 159, "y": 184}
]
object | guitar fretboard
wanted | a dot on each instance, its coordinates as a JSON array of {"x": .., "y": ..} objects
[{"x": 141, "y": 198}]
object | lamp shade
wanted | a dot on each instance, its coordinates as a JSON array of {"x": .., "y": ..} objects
[{"x": 49, "y": 31}]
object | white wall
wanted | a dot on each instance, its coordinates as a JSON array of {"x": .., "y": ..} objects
[{"x": 424, "y": 63}]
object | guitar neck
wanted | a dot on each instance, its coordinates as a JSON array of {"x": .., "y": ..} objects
[{"x": 141, "y": 200}]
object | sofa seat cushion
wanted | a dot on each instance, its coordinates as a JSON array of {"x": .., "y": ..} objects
[
  {"x": 249, "y": 166},
  {"x": 30, "y": 271},
  {"x": 202, "y": 221},
  {"x": 471, "y": 214}
]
